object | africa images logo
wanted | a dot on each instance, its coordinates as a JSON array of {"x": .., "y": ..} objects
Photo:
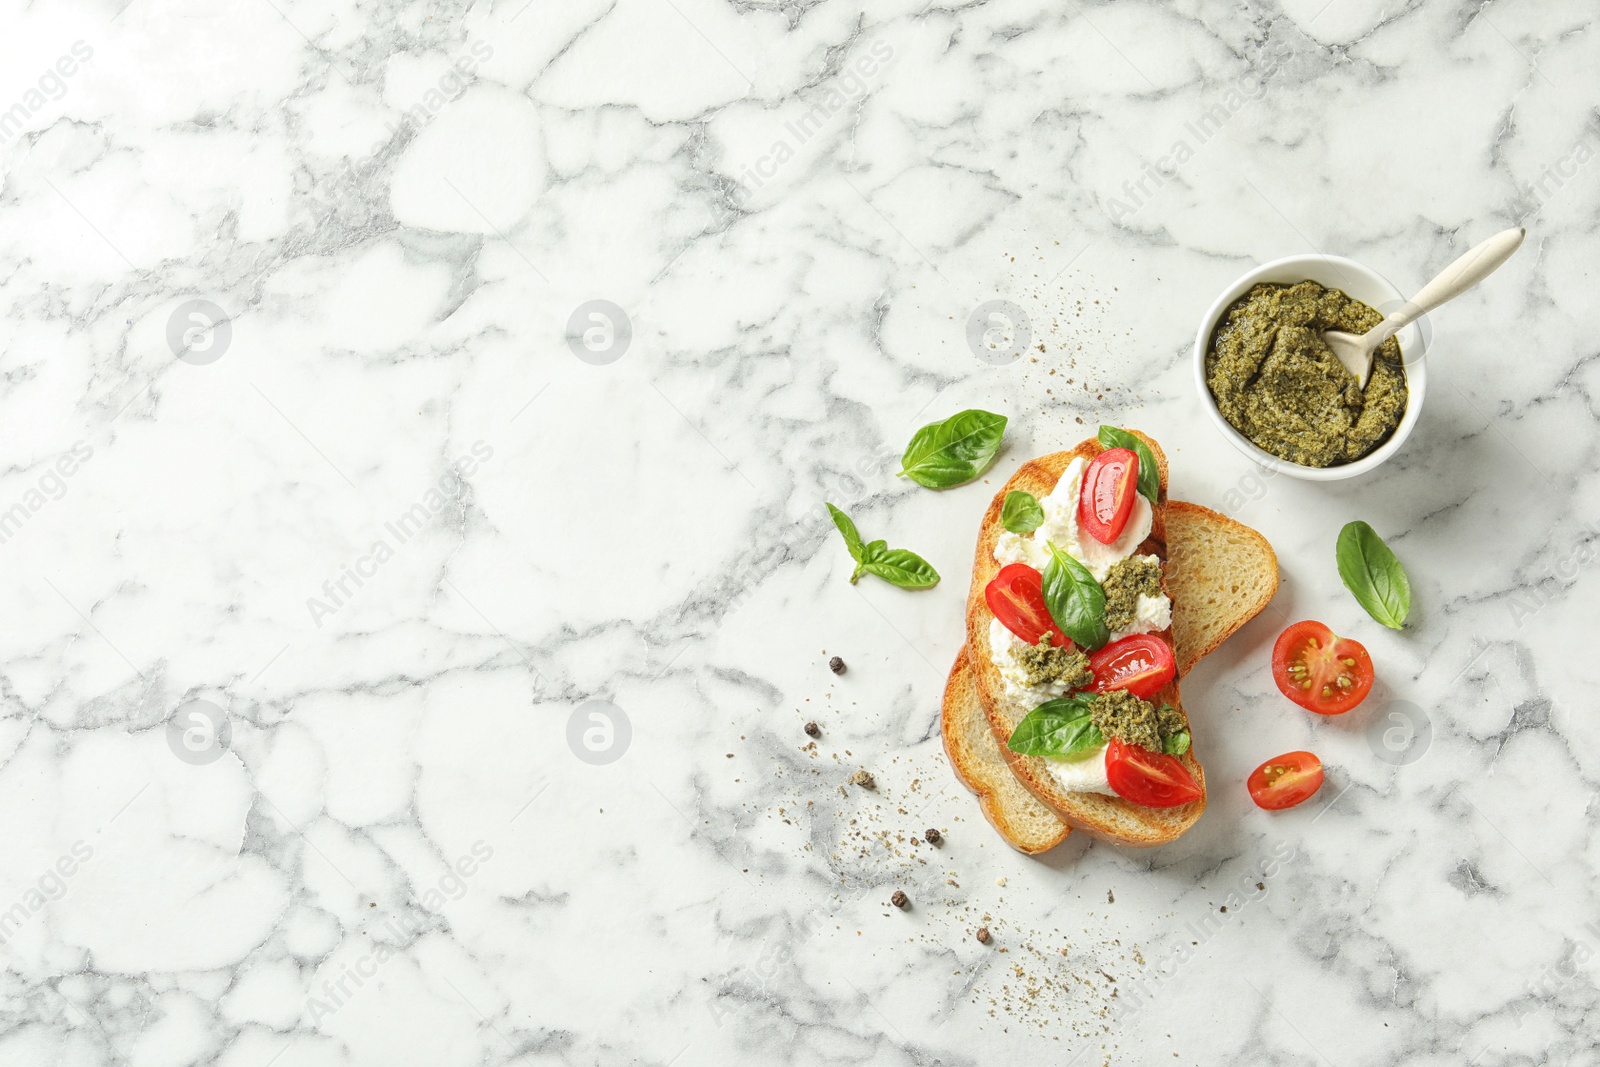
[
  {"x": 827, "y": 102},
  {"x": 599, "y": 732},
  {"x": 453, "y": 485},
  {"x": 199, "y": 331},
  {"x": 51, "y": 885},
  {"x": 51, "y": 85},
  {"x": 346, "y": 977},
  {"x": 51, "y": 485},
  {"x": 199, "y": 732}
]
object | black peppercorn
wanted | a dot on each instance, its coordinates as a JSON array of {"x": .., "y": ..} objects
[
  {"x": 899, "y": 899},
  {"x": 932, "y": 836},
  {"x": 813, "y": 729},
  {"x": 836, "y": 665}
]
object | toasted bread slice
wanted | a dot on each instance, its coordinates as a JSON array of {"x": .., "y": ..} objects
[
  {"x": 1220, "y": 574},
  {"x": 1109, "y": 818},
  {"x": 1019, "y": 816}
]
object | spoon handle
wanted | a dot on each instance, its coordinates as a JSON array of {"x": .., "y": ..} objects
[{"x": 1476, "y": 264}]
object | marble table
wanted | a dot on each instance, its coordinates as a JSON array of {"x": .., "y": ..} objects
[{"x": 416, "y": 426}]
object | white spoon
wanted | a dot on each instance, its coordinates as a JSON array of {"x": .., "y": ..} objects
[{"x": 1473, "y": 267}]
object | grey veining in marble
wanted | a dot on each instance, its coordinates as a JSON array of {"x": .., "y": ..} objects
[{"x": 415, "y": 423}]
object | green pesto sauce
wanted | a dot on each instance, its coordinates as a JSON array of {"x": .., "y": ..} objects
[
  {"x": 1276, "y": 381},
  {"x": 1122, "y": 715},
  {"x": 1045, "y": 663},
  {"x": 1123, "y": 585}
]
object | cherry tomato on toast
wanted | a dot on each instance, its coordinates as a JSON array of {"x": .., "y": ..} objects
[
  {"x": 1016, "y": 596},
  {"x": 1139, "y": 663},
  {"x": 1286, "y": 780},
  {"x": 1320, "y": 671},
  {"x": 1105, "y": 497},
  {"x": 1149, "y": 778}
]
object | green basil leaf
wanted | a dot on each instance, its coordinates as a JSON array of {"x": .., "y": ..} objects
[
  {"x": 1075, "y": 599},
  {"x": 1177, "y": 744},
  {"x": 852, "y": 539},
  {"x": 944, "y": 454},
  {"x": 1149, "y": 473},
  {"x": 1372, "y": 574},
  {"x": 897, "y": 566},
  {"x": 1060, "y": 728},
  {"x": 1021, "y": 512},
  {"x": 901, "y": 567}
]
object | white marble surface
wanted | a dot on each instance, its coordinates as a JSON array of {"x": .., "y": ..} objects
[{"x": 398, "y": 208}]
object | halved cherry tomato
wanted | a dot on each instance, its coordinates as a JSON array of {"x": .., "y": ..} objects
[
  {"x": 1016, "y": 596},
  {"x": 1105, "y": 497},
  {"x": 1319, "y": 671},
  {"x": 1149, "y": 778},
  {"x": 1139, "y": 663},
  {"x": 1286, "y": 780}
]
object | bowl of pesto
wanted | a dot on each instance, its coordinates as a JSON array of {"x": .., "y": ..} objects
[{"x": 1276, "y": 391}]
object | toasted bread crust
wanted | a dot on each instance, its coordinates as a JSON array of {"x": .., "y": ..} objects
[
  {"x": 1220, "y": 574},
  {"x": 1227, "y": 573},
  {"x": 1108, "y": 818},
  {"x": 1018, "y": 816}
]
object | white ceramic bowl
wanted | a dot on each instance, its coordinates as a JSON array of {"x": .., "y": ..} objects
[{"x": 1367, "y": 286}]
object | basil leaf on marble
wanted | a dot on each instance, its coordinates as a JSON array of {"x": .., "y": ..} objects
[
  {"x": 852, "y": 539},
  {"x": 957, "y": 450},
  {"x": 1373, "y": 575},
  {"x": 1059, "y": 728},
  {"x": 898, "y": 566},
  {"x": 1177, "y": 744},
  {"x": 1021, "y": 512},
  {"x": 1075, "y": 599},
  {"x": 1149, "y": 473}
]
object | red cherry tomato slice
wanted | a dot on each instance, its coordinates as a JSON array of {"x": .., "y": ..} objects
[
  {"x": 1149, "y": 778},
  {"x": 1319, "y": 671},
  {"x": 1105, "y": 497},
  {"x": 1286, "y": 780},
  {"x": 1016, "y": 596},
  {"x": 1139, "y": 663}
]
